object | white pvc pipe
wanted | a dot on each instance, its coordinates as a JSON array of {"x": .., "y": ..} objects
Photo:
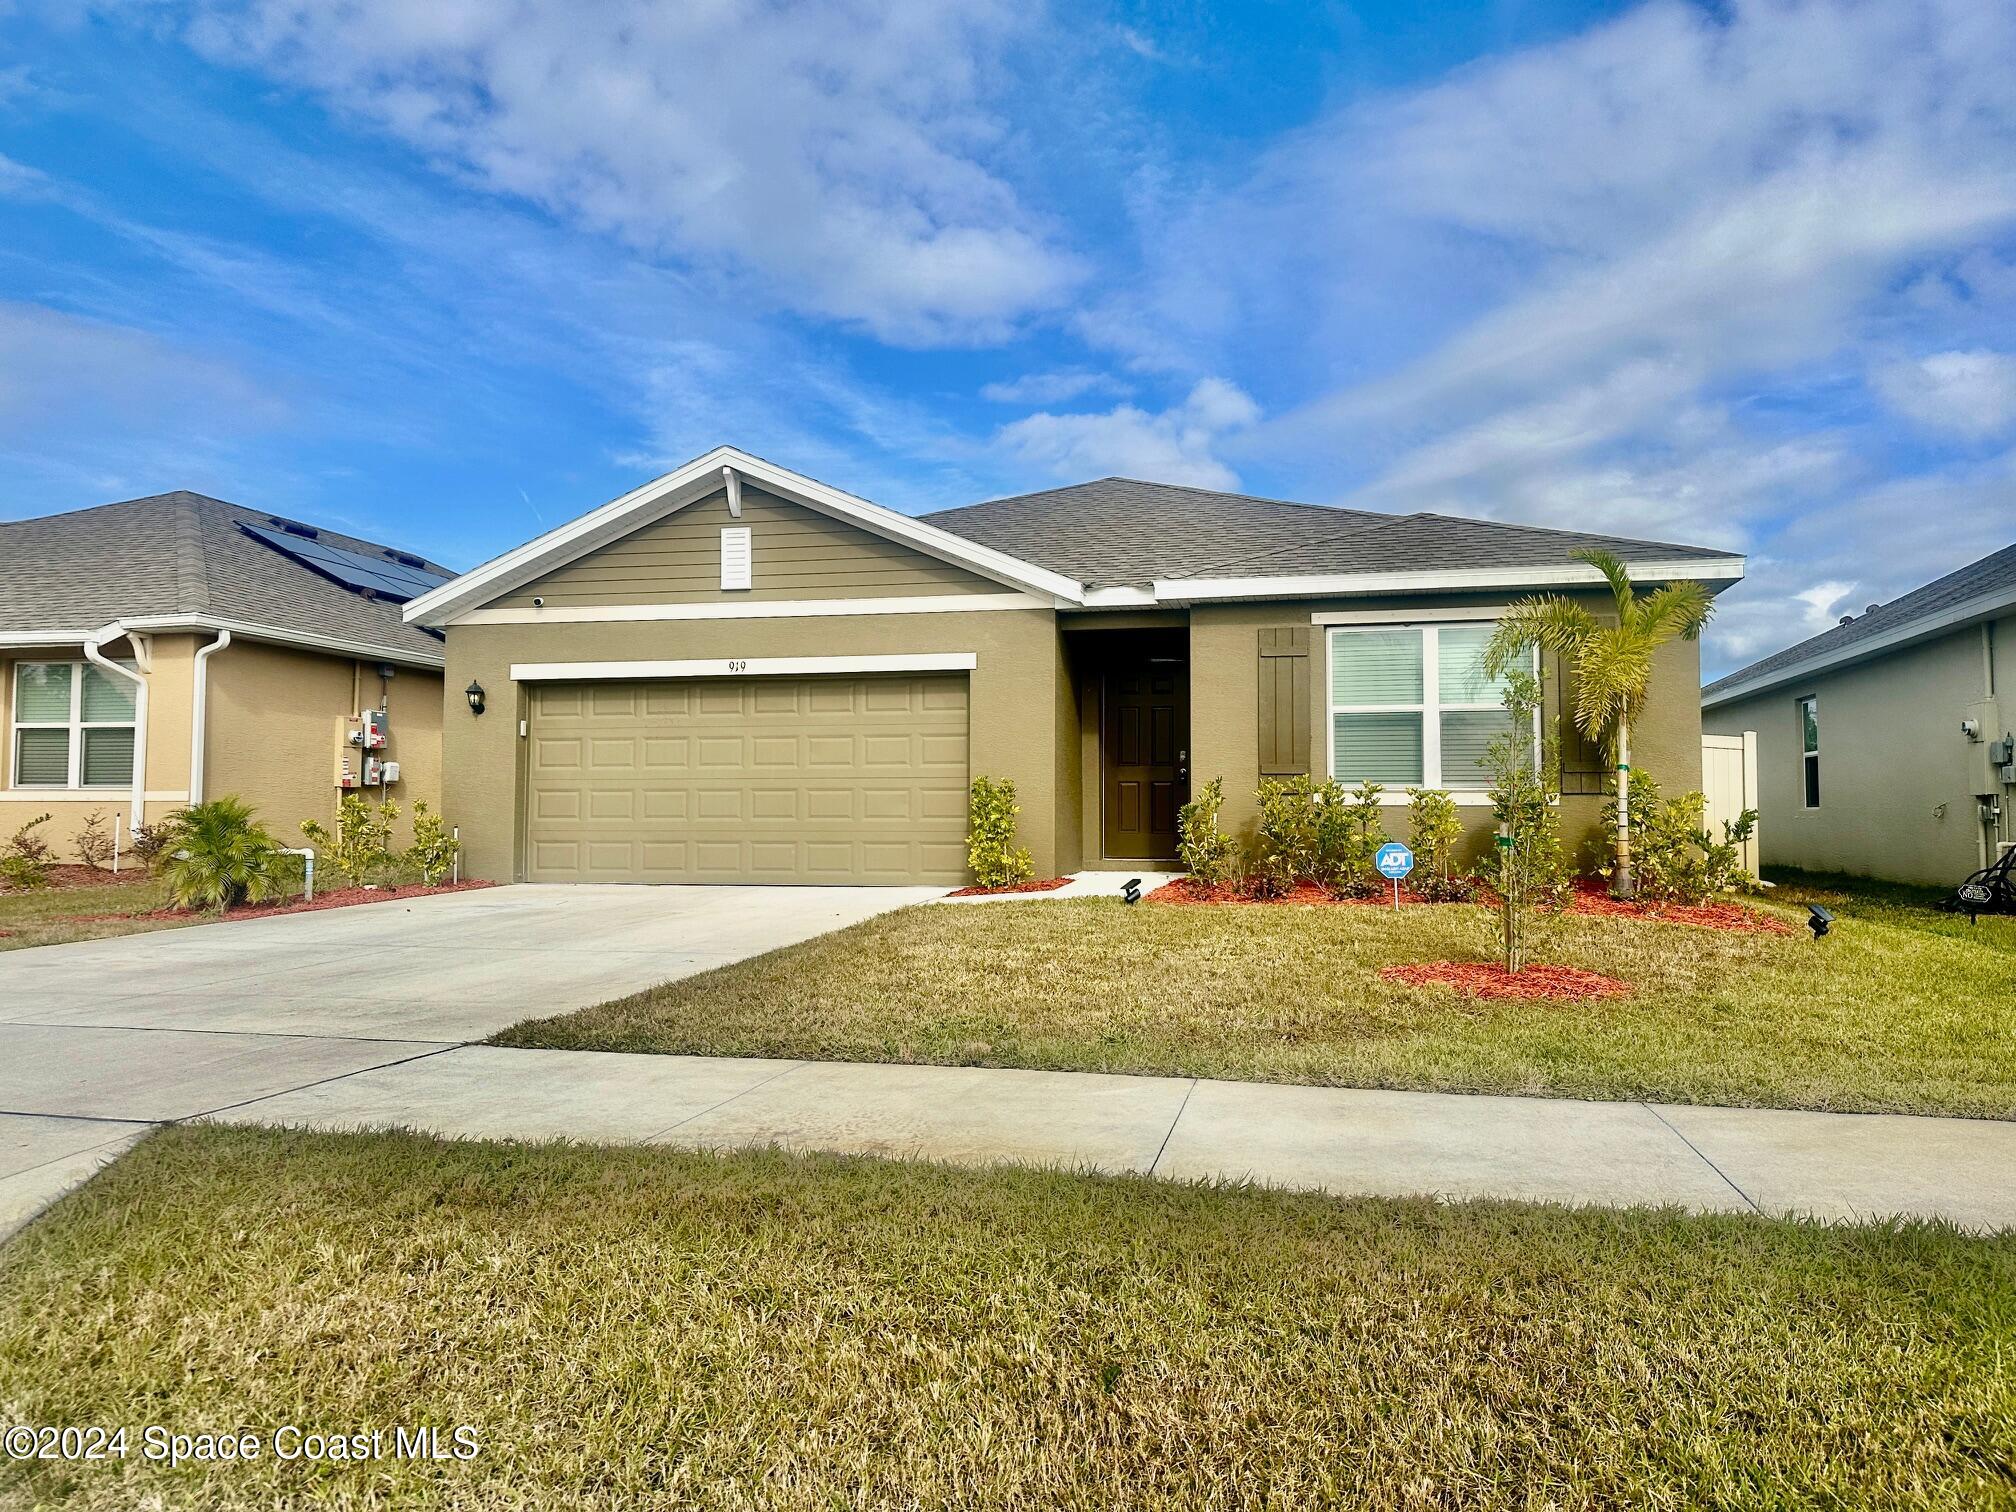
[
  {"x": 199, "y": 711},
  {"x": 93, "y": 652},
  {"x": 307, "y": 853}
]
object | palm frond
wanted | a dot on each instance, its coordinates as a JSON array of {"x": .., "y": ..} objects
[
  {"x": 1616, "y": 574},
  {"x": 1681, "y": 609},
  {"x": 1555, "y": 625}
]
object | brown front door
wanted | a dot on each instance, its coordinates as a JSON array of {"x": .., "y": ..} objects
[{"x": 1144, "y": 756}]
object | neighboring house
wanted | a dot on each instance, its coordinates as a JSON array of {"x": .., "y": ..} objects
[
  {"x": 737, "y": 674},
  {"x": 169, "y": 649},
  {"x": 1883, "y": 743}
]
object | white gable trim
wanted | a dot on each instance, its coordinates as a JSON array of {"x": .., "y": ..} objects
[
  {"x": 1326, "y": 585},
  {"x": 699, "y": 479}
]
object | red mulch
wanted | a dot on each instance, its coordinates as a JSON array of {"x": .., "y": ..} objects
[
  {"x": 340, "y": 897},
  {"x": 1486, "y": 979},
  {"x": 89, "y": 876},
  {"x": 1590, "y": 899},
  {"x": 1186, "y": 890},
  {"x": 1043, "y": 884}
]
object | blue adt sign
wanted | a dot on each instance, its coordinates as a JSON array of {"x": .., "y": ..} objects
[{"x": 1393, "y": 860}]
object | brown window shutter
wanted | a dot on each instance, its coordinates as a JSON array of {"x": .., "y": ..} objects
[{"x": 1284, "y": 701}]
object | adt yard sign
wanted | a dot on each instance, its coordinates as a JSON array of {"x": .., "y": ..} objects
[{"x": 1394, "y": 861}]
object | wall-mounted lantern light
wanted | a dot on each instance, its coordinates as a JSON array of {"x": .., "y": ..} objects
[{"x": 475, "y": 694}]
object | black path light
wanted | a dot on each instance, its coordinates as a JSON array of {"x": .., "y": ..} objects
[
  {"x": 474, "y": 693},
  {"x": 1818, "y": 919}
]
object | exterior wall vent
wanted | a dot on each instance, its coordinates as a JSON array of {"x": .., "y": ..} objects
[{"x": 735, "y": 557}]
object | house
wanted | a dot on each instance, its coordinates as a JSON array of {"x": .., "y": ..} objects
[
  {"x": 164, "y": 650},
  {"x": 737, "y": 674},
  {"x": 1883, "y": 744}
]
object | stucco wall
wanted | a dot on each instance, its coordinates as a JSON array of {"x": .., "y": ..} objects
[
  {"x": 1224, "y": 690},
  {"x": 1018, "y": 707},
  {"x": 270, "y": 738},
  {"x": 1896, "y": 774}
]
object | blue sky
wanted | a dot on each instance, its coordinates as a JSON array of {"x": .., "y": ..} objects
[{"x": 1741, "y": 274}]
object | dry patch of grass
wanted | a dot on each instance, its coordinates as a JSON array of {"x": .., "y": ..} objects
[
  {"x": 1880, "y": 1016},
  {"x": 655, "y": 1328},
  {"x": 40, "y": 915}
]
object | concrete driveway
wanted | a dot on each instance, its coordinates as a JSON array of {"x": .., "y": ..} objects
[{"x": 101, "y": 1039}]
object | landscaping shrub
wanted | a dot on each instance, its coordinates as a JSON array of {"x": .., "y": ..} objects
[
  {"x": 94, "y": 841},
  {"x": 222, "y": 856},
  {"x": 433, "y": 849},
  {"x": 1207, "y": 852},
  {"x": 27, "y": 857},
  {"x": 147, "y": 842},
  {"x": 1319, "y": 832},
  {"x": 359, "y": 850},
  {"x": 1284, "y": 837},
  {"x": 1678, "y": 859},
  {"x": 990, "y": 835},
  {"x": 1438, "y": 831}
]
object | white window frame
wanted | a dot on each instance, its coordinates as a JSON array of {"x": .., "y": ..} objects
[
  {"x": 1809, "y": 761},
  {"x": 1431, "y": 708},
  {"x": 76, "y": 724}
]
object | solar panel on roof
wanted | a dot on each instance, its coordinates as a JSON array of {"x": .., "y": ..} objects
[{"x": 387, "y": 577}]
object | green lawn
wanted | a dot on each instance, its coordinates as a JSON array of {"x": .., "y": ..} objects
[
  {"x": 657, "y": 1328},
  {"x": 1912, "y": 1014},
  {"x": 39, "y": 916}
]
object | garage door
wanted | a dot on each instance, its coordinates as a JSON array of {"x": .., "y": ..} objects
[{"x": 818, "y": 779}]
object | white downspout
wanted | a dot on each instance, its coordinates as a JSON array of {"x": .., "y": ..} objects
[
  {"x": 198, "y": 712},
  {"x": 93, "y": 652}
]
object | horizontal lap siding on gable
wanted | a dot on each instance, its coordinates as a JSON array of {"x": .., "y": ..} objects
[{"x": 798, "y": 553}]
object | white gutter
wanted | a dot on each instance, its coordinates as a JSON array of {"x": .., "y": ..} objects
[
  {"x": 199, "y": 710},
  {"x": 300, "y": 639},
  {"x": 93, "y": 644},
  {"x": 1987, "y": 606}
]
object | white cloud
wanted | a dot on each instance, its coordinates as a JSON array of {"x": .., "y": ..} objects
[
  {"x": 837, "y": 156},
  {"x": 1059, "y": 387},
  {"x": 1178, "y": 445},
  {"x": 1969, "y": 393},
  {"x": 1820, "y": 600}
]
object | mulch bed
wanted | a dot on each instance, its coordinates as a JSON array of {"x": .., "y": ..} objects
[
  {"x": 86, "y": 876},
  {"x": 339, "y": 897},
  {"x": 1489, "y": 980},
  {"x": 1043, "y": 884},
  {"x": 1592, "y": 901},
  {"x": 1185, "y": 890}
]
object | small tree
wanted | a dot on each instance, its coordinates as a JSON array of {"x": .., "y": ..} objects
[
  {"x": 433, "y": 849},
  {"x": 1437, "y": 831},
  {"x": 359, "y": 850},
  {"x": 1531, "y": 869},
  {"x": 221, "y": 856},
  {"x": 990, "y": 835},
  {"x": 1612, "y": 664},
  {"x": 94, "y": 841},
  {"x": 1207, "y": 852}
]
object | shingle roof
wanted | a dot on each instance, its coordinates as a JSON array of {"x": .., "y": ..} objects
[
  {"x": 184, "y": 553},
  {"x": 1996, "y": 571},
  {"x": 1122, "y": 531}
]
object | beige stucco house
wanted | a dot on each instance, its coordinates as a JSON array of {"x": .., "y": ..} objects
[
  {"x": 1883, "y": 744},
  {"x": 164, "y": 650},
  {"x": 738, "y": 674}
]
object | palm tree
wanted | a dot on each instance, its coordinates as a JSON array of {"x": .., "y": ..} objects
[
  {"x": 221, "y": 856},
  {"x": 1612, "y": 663}
]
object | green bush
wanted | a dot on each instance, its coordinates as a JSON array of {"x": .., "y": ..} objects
[
  {"x": 1438, "y": 832},
  {"x": 1207, "y": 852},
  {"x": 1284, "y": 837},
  {"x": 94, "y": 841},
  {"x": 1677, "y": 858},
  {"x": 433, "y": 849},
  {"x": 148, "y": 842},
  {"x": 359, "y": 850},
  {"x": 221, "y": 856},
  {"x": 26, "y": 858},
  {"x": 990, "y": 835},
  {"x": 1318, "y": 832}
]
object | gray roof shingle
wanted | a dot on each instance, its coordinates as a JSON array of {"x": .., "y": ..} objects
[
  {"x": 184, "y": 553},
  {"x": 1996, "y": 571},
  {"x": 1121, "y": 531}
]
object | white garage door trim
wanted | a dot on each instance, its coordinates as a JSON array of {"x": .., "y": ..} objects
[{"x": 753, "y": 666}]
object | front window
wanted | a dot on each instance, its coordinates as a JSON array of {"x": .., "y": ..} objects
[
  {"x": 73, "y": 726},
  {"x": 1410, "y": 705},
  {"x": 1809, "y": 748}
]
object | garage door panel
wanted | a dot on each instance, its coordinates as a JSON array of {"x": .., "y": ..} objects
[{"x": 830, "y": 780}]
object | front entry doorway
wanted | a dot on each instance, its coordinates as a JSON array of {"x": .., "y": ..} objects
[{"x": 1144, "y": 752}]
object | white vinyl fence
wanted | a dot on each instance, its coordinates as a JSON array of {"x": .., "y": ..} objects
[{"x": 1729, "y": 778}]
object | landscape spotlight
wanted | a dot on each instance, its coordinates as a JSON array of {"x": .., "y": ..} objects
[
  {"x": 1131, "y": 889},
  {"x": 1818, "y": 919}
]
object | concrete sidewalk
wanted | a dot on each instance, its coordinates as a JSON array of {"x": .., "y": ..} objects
[{"x": 1828, "y": 1165}]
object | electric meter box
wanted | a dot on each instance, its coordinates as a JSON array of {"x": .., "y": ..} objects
[
  {"x": 1984, "y": 770},
  {"x": 371, "y": 730},
  {"x": 390, "y": 774}
]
